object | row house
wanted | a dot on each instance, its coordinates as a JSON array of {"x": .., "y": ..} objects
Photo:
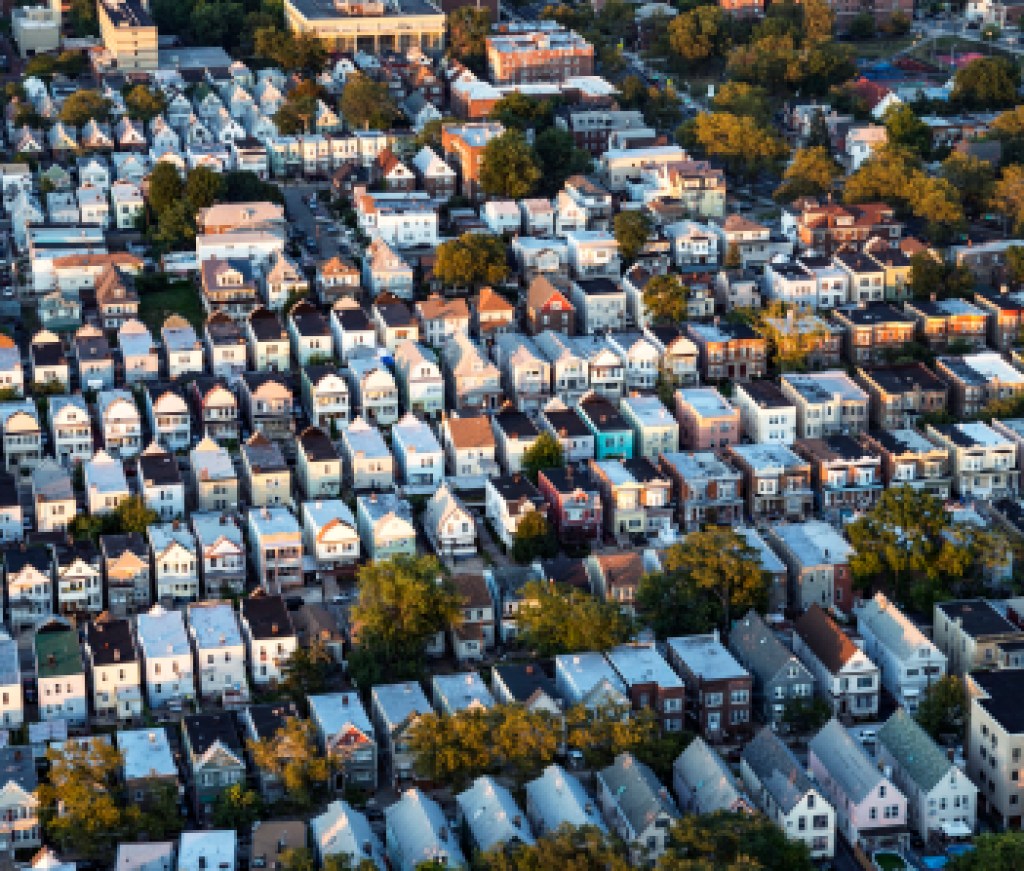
[
  {"x": 385, "y": 524},
  {"x": 219, "y": 652},
  {"x": 440, "y": 319},
  {"x": 369, "y": 463},
  {"x": 352, "y": 329},
  {"x": 705, "y": 488},
  {"x": 163, "y": 490},
  {"x": 655, "y": 430},
  {"x": 638, "y": 809},
  {"x": 729, "y": 350},
  {"x": 900, "y": 395},
  {"x": 776, "y": 482},
  {"x": 268, "y": 404},
  {"x": 227, "y": 353},
  {"x": 605, "y": 369},
  {"x": 575, "y": 506},
  {"x": 53, "y": 497},
  {"x": 707, "y": 420},
  {"x": 846, "y": 476},
  {"x": 768, "y": 416},
  {"x": 755, "y": 243},
  {"x": 507, "y": 500},
  {"x": 419, "y": 379},
  {"x": 94, "y": 358},
  {"x": 221, "y": 551},
  {"x": 228, "y": 286},
  {"x": 677, "y": 354},
  {"x": 817, "y": 561},
  {"x": 971, "y": 632},
  {"x": 491, "y": 313},
  {"x": 60, "y": 674},
  {"x": 1004, "y": 312},
  {"x": 449, "y": 525},
  {"x": 22, "y": 435},
  {"x": 866, "y": 277},
  {"x": 216, "y": 409},
  {"x": 650, "y": 683},
  {"x": 525, "y": 372},
  {"x": 269, "y": 347},
  {"x": 311, "y": 337},
  {"x": 325, "y": 397},
  {"x": 418, "y": 455},
  {"x": 318, "y": 465},
  {"x": 346, "y": 735},
  {"x": 170, "y": 419},
  {"x": 330, "y": 536},
  {"x": 548, "y": 306},
  {"x": 827, "y": 227},
  {"x": 214, "y": 479},
  {"x": 704, "y": 783},
  {"x": 572, "y": 433},
  {"x": 719, "y": 690},
  {"x": 911, "y": 460},
  {"x": 640, "y": 357},
  {"x": 127, "y": 575},
  {"x": 994, "y": 743},
  {"x": 470, "y": 451},
  {"x": 275, "y": 551},
  {"x": 393, "y": 322},
  {"x": 183, "y": 352},
  {"x": 827, "y": 403},
  {"x": 600, "y": 303},
  {"x": 942, "y": 323},
  {"x": 984, "y": 462},
  {"x": 613, "y": 437},
  {"x": 215, "y": 756},
  {"x": 975, "y": 380},
  {"x": 474, "y": 381},
  {"x": 169, "y": 669},
  {"x": 875, "y": 332},
  {"x": 514, "y": 435},
  {"x": 269, "y": 635}
]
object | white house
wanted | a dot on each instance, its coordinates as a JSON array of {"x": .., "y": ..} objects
[
  {"x": 449, "y": 525},
  {"x": 71, "y": 429},
  {"x": 162, "y": 487},
  {"x": 369, "y": 464},
  {"x": 113, "y": 668},
  {"x": 12, "y": 703},
  {"x": 418, "y": 454},
  {"x": 329, "y": 534},
  {"x": 174, "y": 560},
  {"x": 270, "y": 637},
  {"x": 386, "y": 527},
  {"x": 167, "y": 658},
  {"x": 106, "y": 485},
  {"x": 418, "y": 832},
  {"x": 219, "y": 650},
  {"x": 60, "y": 675}
]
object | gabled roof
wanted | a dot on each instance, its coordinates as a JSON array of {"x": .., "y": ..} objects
[
  {"x": 778, "y": 770},
  {"x": 638, "y": 794},
  {"x": 825, "y": 639},
  {"x": 846, "y": 761},
  {"x": 712, "y": 785},
  {"x": 913, "y": 749}
]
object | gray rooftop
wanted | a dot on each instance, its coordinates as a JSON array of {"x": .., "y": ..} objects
[
  {"x": 777, "y": 769},
  {"x": 847, "y": 762},
  {"x": 923, "y": 761},
  {"x": 640, "y": 796},
  {"x": 753, "y": 641},
  {"x": 707, "y": 657}
]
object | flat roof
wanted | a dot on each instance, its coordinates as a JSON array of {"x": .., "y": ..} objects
[
  {"x": 814, "y": 542},
  {"x": 706, "y": 401},
  {"x": 641, "y": 663},
  {"x": 707, "y": 657},
  {"x": 147, "y": 753}
]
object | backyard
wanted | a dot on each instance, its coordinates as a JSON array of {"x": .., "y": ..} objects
[{"x": 161, "y": 296}]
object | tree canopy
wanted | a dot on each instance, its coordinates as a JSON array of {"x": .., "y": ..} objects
[
  {"x": 739, "y": 141},
  {"x": 665, "y": 297},
  {"x": 299, "y": 109},
  {"x": 942, "y": 709},
  {"x": 1008, "y": 196},
  {"x": 293, "y": 756},
  {"x": 143, "y": 103},
  {"x": 730, "y": 840},
  {"x": 534, "y": 538},
  {"x": 290, "y": 51},
  {"x": 794, "y": 335},
  {"x": 568, "y": 848},
  {"x": 84, "y": 105},
  {"x": 811, "y": 173},
  {"x": 554, "y": 619},
  {"x": 986, "y": 83},
  {"x": 632, "y": 229},
  {"x": 468, "y": 28},
  {"x": 558, "y": 158},
  {"x": 508, "y": 167},
  {"x": 471, "y": 260},
  {"x": 905, "y": 128},
  {"x": 545, "y": 453},
  {"x": 367, "y": 104},
  {"x": 1003, "y": 851}
]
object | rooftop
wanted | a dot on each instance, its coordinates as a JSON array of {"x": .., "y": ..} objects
[
  {"x": 707, "y": 402},
  {"x": 641, "y": 663},
  {"x": 147, "y": 753}
]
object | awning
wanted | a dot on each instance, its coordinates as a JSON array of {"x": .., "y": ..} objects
[{"x": 956, "y": 829}]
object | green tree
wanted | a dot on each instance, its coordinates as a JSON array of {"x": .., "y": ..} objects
[
  {"x": 986, "y": 83},
  {"x": 82, "y": 106},
  {"x": 906, "y": 129},
  {"x": 175, "y": 227},
  {"x": 1014, "y": 265},
  {"x": 729, "y": 840},
  {"x": 522, "y": 112},
  {"x": 545, "y": 453},
  {"x": 165, "y": 187},
  {"x": 297, "y": 859},
  {"x": 715, "y": 567},
  {"x": 942, "y": 709},
  {"x": 471, "y": 260},
  {"x": 367, "y": 104},
  {"x": 468, "y": 28},
  {"x": 861, "y": 27},
  {"x": 403, "y": 603},
  {"x": 290, "y": 51},
  {"x": 298, "y": 112},
  {"x": 745, "y": 147},
  {"x": 697, "y": 35},
  {"x": 806, "y": 715},
  {"x": 203, "y": 187},
  {"x": 743, "y": 98},
  {"x": 665, "y": 298},
  {"x": 819, "y": 21},
  {"x": 508, "y": 167},
  {"x": 992, "y": 852},
  {"x": 554, "y": 619},
  {"x": 632, "y": 229},
  {"x": 82, "y": 19},
  {"x": 144, "y": 104},
  {"x": 573, "y": 849},
  {"x": 430, "y": 135},
  {"x": 558, "y": 158},
  {"x": 1008, "y": 196},
  {"x": 931, "y": 275},
  {"x": 307, "y": 671},
  {"x": 293, "y": 756},
  {"x": 133, "y": 515},
  {"x": 534, "y": 538},
  {"x": 237, "y": 808},
  {"x": 974, "y": 180},
  {"x": 811, "y": 173},
  {"x": 601, "y": 734},
  {"x": 244, "y": 186}
]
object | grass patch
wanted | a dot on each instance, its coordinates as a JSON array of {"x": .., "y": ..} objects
[
  {"x": 889, "y": 862},
  {"x": 161, "y": 296},
  {"x": 875, "y": 49}
]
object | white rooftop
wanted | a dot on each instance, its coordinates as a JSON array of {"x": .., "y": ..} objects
[
  {"x": 320, "y": 512},
  {"x": 415, "y": 435},
  {"x": 641, "y": 663},
  {"x": 706, "y": 401},
  {"x": 162, "y": 633},
  {"x": 825, "y": 386},
  {"x": 458, "y": 692},
  {"x": 981, "y": 434},
  {"x": 147, "y": 753},
  {"x": 336, "y": 712},
  {"x": 397, "y": 702},
  {"x": 214, "y": 624},
  {"x": 557, "y": 797},
  {"x": 105, "y": 474},
  {"x": 273, "y": 521},
  {"x": 768, "y": 458},
  {"x": 707, "y": 657},
  {"x": 581, "y": 672},
  {"x": 214, "y": 850},
  {"x": 208, "y": 526},
  {"x": 649, "y": 411},
  {"x": 814, "y": 542}
]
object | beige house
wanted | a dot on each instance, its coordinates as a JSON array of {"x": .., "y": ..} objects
[
  {"x": 268, "y": 480},
  {"x": 215, "y": 482},
  {"x": 318, "y": 465},
  {"x": 369, "y": 464},
  {"x": 129, "y": 34}
]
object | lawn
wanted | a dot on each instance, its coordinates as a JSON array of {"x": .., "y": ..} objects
[
  {"x": 889, "y": 862},
  {"x": 880, "y": 49},
  {"x": 160, "y": 299}
]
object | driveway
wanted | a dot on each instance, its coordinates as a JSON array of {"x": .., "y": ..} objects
[{"x": 296, "y": 198}]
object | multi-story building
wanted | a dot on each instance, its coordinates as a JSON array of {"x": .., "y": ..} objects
[
  {"x": 349, "y": 27},
  {"x": 270, "y": 637},
  {"x": 827, "y": 403},
  {"x": 707, "y": 420},
  {"x": 976, "y": 380},
  {"x": 650, "y": 683},
  {"x": 984, "y": 462},
  {"x": 705, "y": 488},
  {"x": 395, "y": 708},
  {"x": 129, "y": 35},
  {"x": 729, "y": 350},
  {"x": 768, "y": 416},
  {"x": 911, "y": 460},
  {"x": 275, "y": 545},
  {"x": 995, "y": 742},
  {"x": 901, "y": 394},
  {"x": 347, "y": 737},
  {"x": 60, "y": 675},
  {"x": 718, "y": 689},
  {"x": 817, "y": 559},
  {"x": 114, "y": 673},
  {"x": 548, "y": 54},
  {"x": 826, "y": 227},
  {"x": 169, "y": 669},
  {"x": 463, "y": 146},
  {"x": 874, "y": 332},
  {"x": 970, "y": 632},
  {"x": 846, "y": 476},
  {"x": 945, "y": 322},
  {"x": 776, "y": 482}
]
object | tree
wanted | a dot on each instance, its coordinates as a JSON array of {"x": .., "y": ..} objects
[
  {"x": 165, "y": 187},
  {"x": 811, "y": 173},
  {"x": 992, "y": 852},
  {"x": 297, "y": 859},
  {"x": 733, "y": 258},
  {"x": 144, "y": 104},
  {"x": 290, "y": 51},
  {"x": 293, "y": 756},
  {"x": 1014, "y": 265},
  {"x": 632, "y": 230},
  {"x": 508, "y": 167},
  {"x": 806, "y": 715},
  {"x": 471, "y": 260},
  {"x": 793, "y": 335},
  {"x": 545, "y": 453},
  {"x": 665, "y": 298},
  {"x": 743, "y": 98},
  {"x": 931, "y": 275},
  {"x": 468, "y": 28},
  {"x": 572, "y": 849},
  {"x": 307, "y": 670},
  {"x": 905, "y": 128},
  {"x": 85, "y": 105},
  {"x": 175, "y": 227},
  {"x": 730, "y": 840},
  {"x": 367, "y": 104},
  {"x": 986, "y": 83},
  {"x": 203, "y": 187},
  {"x": 861, "y": 27},
  {"x": 745, "y": 147},
  {"x": 697, "y": 35},
  {"x": 714, "y": 570},
  {"x": 298, "y": 111},
  {"x": 973, "y": 178},
  {"x": 534, "y": 538},
  {"x": 244, "y": 186},
  {"x": 558, "y": 158},
  {"x": 942, "y": 709},
  {"x": 818, "y": 21},
  {"x": 403, "y": 603},
  {"x": 555, "y": 620},
  {"x": 133, "y": 515},
  {"x": 522, "y": 112},
  {"x": 237, "y": 808},
  {"x": 1008, "y": 196},
  {"x": 430, "y": 135},
  {"x": 82, "y": 18}
]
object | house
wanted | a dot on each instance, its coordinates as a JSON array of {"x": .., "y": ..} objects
[
  {"x": 266, "y": 475},
  {"x": 466, "y": 691},
  {"x": 514, "y": 435},
  {"x": 369, "y": 464},
  {"x": 346, "y": 734},
  {"x": 984, "y": 462},
  {"x": 113, "y": 664},
  {"x": 469, "y": 448},
  {"x": 911, "y": 460},
  {"x": 283, "y": 281},
  {"x": 548, "y": 307},
  {"x": 650, "y": 683},
  {"x": 508, "y": 499},
  {"x": 556, "y": 798},
  {"x": 273, "y": 840},
  {"x": 216, "y": 762},
  {"x": 977, "y": 380},
  {"x": 994, "y": 741},
  {"x": 729, "y": 350},
  {"x": 613, "y": 436},
  {"x": 767, "y": 415},
  {"x": 418, "y": 831},
  {"x": 491, "y": 816},
  {"x": 395, "y": 709},
  {"x": 449, "y": 525},
  {"x": 776, "y": 481},
  {"x": 615, "y": 577},
  {"x": 71, "y": 429},
  {"x": 706, "y": 488},
  {"x": 574, "y": 504},
  {"x": 49, "y": 365},
  {"x": 117, "y": 300},
  {"x": 474, "y": 636},
  {"x": 312, "y": 340},
  {"x": 434, "y": 175},
  {"x": 817, "y": 558},
  {"x": 588, "y": 679},
  {"x": 337, "y": 279},
  {"x": 393, "y": 322},
  {"x": 875, "y": 331},
  {"x": 53, "y": 497},
  {"x": 637, "y": 808},
  {"x": 60, "y": 675},
  {"x": 19, "y": 804},
  {"x": 969, "y": 633},
  {"x": 845, "y": 475},
  {"x": 22, "y": 436},
  {"x": 780, "y": 679},
  {"x": 162, "y": 487},
  {"x": 94, "y": 357},
  {"x": 707, "y": 420},
  {"x": 525, "y": 372},
  {"x": 219, "y": 541},
  {"x": 782, "y": 789},
  {"x": 655, "y": 430},
  {"x": 138, "y": 352},
  {"x": 269, "y": 636},
  {"x": 704, "y": 783},
  {"x": 226, "y": 349},
  {"x": 318, "y": 465},
  {"x": 871, "y": 812},
  {"x": 12, "y": 702},
  {"x": 219, "y": 652},
  {"x": 326, "y": 397},
  {"x": 330, "y": 536},
  {"x": 169, "y": 417},
  {"x": 263, "y": 722},
  {"x": 148, "y": 762},
  {"x": 491, "y": 313},
  {"x": 126, "y": 573},
  {"x": 473, "y": 381},
  {"x": 176, "y": 575},
  {"x": 214, "y": 480},
  {"x": 228, "y": 285},
  {"x": 77, "y": 580},
  {"x": 420, "y": 383},
  {"x": 385, "y": 270},
  {"x": 345, "y": 832},
  {"x": 845, "y": 677},
  {"x": 826, "y": 403},
  {"x": 12, "y": 372},
  {"x": 601, "y": 304},
  {"x": 945, "y": 322},
  {"x": 566, "y": 425},
  {"x": 907, "y": 660},
  {"x": 269, "y": 348},
  {"x": 167, "y": 655},
  {"x": 941, "y": 799},
  {"x": 386, "y": 527},
  {"x": 275, "y": 545},
  {"x": 440, "y": 319},
  {"x": 718, "y": 688},
  {"x": 901, "y": 394},
  {"x": 373, "y": 389},
  {"x": 419, "y": 455},
  {"x": 677, "y": 354},
  {"x": 182, "y": 349}
]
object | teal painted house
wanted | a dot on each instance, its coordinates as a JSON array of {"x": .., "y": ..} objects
[{"x": 613, "y": 436}]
